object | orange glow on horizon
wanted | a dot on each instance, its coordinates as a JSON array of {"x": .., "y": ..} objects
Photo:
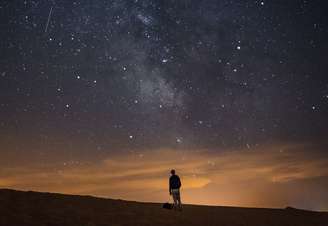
[{"x": 258, "y": 178}]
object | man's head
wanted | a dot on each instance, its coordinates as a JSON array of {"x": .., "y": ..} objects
[{"x": 172, "y": 171}]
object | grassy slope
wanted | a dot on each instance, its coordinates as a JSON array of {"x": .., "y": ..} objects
[{"x": 34, "y": 208}]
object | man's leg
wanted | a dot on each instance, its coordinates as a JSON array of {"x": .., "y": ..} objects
[
  {"x": 175, "y": 199},
  {"x": 179, "y": 201}
]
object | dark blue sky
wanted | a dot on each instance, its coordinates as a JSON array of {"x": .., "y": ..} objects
[{"x": 86, "y": 78}]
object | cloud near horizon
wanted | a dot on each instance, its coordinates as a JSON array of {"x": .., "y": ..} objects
[{"x": 269, "y": 176}]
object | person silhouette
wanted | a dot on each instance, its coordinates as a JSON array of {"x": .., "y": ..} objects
[{"x": 174, "y": 189}]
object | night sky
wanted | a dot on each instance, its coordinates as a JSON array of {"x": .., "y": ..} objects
[{"x": 105, "y": 97}]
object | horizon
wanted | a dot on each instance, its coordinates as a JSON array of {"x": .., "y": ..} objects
[
  {"x": 207, "y": 178},
  {"x": 149, "y": 202}
]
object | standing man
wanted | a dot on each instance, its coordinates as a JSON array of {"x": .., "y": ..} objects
[{"x": 174, "y": 189}]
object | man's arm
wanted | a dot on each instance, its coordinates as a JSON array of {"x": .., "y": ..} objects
[{"x": 170, "y": 186}]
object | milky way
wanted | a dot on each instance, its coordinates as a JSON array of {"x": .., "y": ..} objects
[{"x": 204, "y": 73}]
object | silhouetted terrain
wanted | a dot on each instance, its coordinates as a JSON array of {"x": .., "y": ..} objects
[{"x": 34, "y": 209}]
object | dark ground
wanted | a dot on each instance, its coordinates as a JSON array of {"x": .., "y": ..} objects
[{"x": 19, "y": 208}]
